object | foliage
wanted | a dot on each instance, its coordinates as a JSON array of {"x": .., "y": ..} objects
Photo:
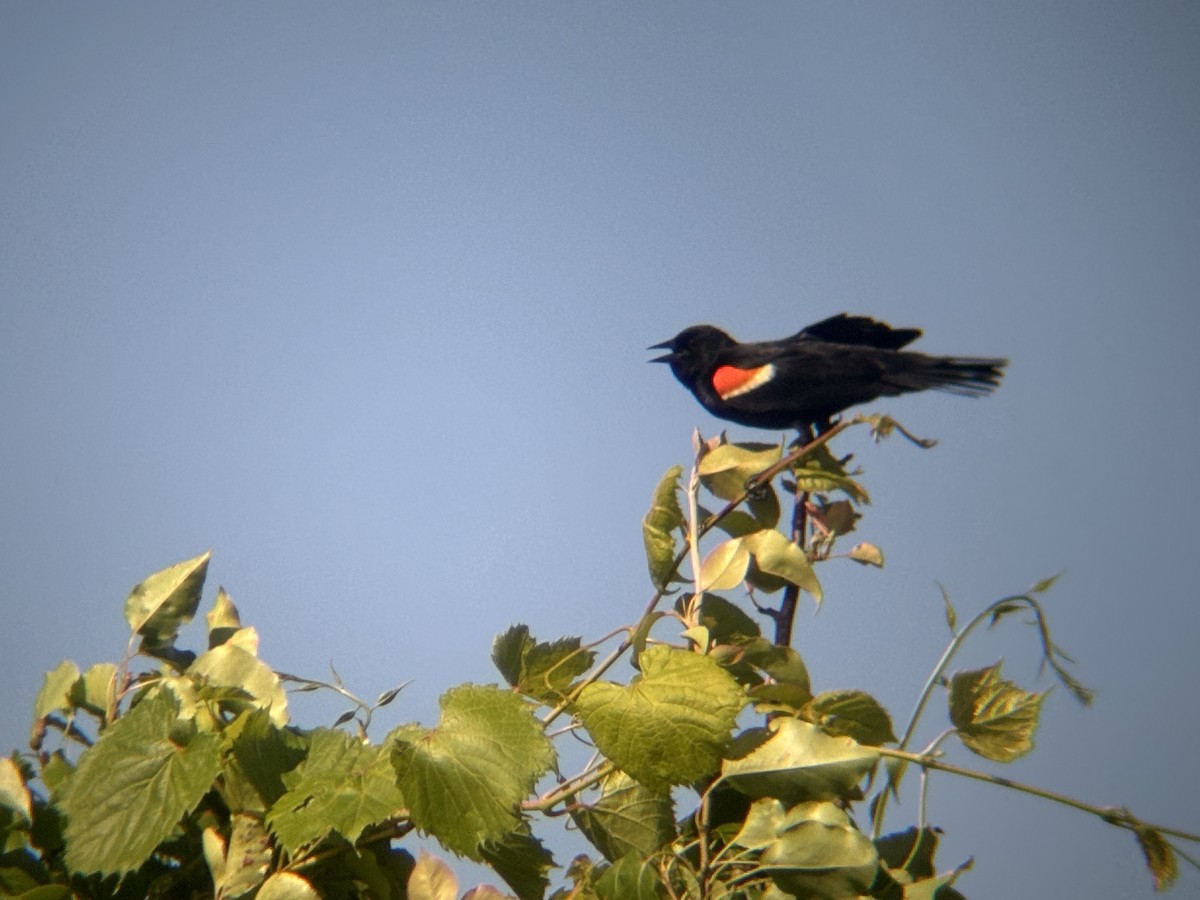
[{"x": 716, "y": 772}]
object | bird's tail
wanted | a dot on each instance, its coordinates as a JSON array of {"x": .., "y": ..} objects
[{"x": 968, "y": 376}]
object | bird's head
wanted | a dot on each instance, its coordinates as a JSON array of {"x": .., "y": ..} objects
[{"x": 694, "y": 350}]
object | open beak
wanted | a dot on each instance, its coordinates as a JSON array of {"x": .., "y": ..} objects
[{"x": 665, "y": 345}]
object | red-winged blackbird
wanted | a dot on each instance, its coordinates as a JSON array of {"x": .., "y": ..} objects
[{"x": 808, "y": 378}]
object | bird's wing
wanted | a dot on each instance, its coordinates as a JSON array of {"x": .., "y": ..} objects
[
  {"x": 860, "y": 331},
  {"x": 810, "y": 382}
]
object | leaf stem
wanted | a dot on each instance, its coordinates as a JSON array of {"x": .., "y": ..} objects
[{"x": 1122, "y": 818}]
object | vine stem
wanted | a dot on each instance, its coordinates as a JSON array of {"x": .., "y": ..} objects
[
  {"x": 1112, "y": 815},
  {"x": 932, "y": 682}
]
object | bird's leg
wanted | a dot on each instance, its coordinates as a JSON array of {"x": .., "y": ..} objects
[
  {"x": 786, "y": 614},
  {"x": 823, "y": 426}
]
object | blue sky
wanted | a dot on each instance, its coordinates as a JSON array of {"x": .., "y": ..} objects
[{"x": 359, "y": 296}]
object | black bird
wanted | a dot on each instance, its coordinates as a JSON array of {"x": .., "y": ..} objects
[{"x": 803, "y": 381}]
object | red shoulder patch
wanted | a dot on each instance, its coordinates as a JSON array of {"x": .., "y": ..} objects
[{"x": 730, "y": 381}]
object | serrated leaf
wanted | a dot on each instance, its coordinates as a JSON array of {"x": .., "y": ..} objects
[
  {"x": 798, "y": 762},
  {"x": 521, "y": 860},
  {"x": 775, "y": 555},
  {"x": 724, "y": 567},
  {"x": 464, "y": 779},
  {"x": 343, "y": 787},
  {"x": 659, "y": 525},
  {"x": 629, "y": 878},
  {"x": 55, "y": 693},
  {"x": 994, "y": 718},
  {"x": 131, "y": 788},
  {"x": 258, "y": 756},
  {"x": 167, "y": 600},
  {"x": 1160, "y": 858},
  {"x": 228, "y": 665},
  {"x": 867, "y": 554},
  {"x": 628, "y": 817},
  {"x": 544, "y": 671},
  {"x": 670, "y": 725},
  {"x": 854, "y": 714}
]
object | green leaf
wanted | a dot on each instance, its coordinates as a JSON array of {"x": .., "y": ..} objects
[
  {"x": 131, "y": 788},
  {"x": 797, "y": 762},
  {"x": 725, "y": 566},
  {"x": 811, "y": 849},
  {"x": 910, "y": 850},
  {"x": 259, "y": 756},
  {"x": 540, "y": 670},
  {"x": 661, "y": 522},
  {"x": 248, "y": 858},
  {"x": 159, "y": 606},
  {"x": 854, "y": 714},
  {"x": 867, "y": 554},
  {"x": 464, "y": 779},
  {"x": 738, "y": 523},
  {"x": 725, "y": 622},
  {"x": 951, "y": 615},
  {"x": 14, "y": 795},
  {"x": 935, "y": 887},
  {"x": 521, "y": 860},
  {"x": 230, "y": 665},
  {"x": 94, "y": 690},
  {"x": 629, "y": 878},
  {"x": 671, "y": 724},
  {"x": 775, "y": 555},
  {"x": 628, "y": 817},
  {"x": 55, "y": 694},
  {"x": 725, "y": 470},
  {"x": 223, "y": 620},
  {"x": 994, "y": 718},
  {"x": 1045, "y": 584},
  {"x": 819, "y": 472},
  {"x": 839, "y": 516},
  {"x": 782, "y": 663},
  {"x": 1160, "y": 858},
  {"x": 45, "y": 892},
  {"x": 431, "y": 879},
  {"x": 343, "y": 787},
  {"x": 287, "y": 886}
]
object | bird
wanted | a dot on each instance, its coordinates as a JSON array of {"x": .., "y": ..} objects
[{"x": 802, "y": 382}]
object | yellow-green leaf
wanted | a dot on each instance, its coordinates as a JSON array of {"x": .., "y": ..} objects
[
  {"x": 725, "y": 566},
  {"x": 867, "y": 554},
  {"x": 994, "y": 717},
  {"x": 661, "y": 522}
]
